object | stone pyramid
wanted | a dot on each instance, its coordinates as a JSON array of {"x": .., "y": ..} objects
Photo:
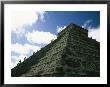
[{"x": 72, "y": 54}]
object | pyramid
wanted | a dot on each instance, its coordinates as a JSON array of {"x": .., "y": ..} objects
[{"x": 72, "y": 54}]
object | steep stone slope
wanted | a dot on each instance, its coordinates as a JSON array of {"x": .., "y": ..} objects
[{"x": 71, "y": 54}]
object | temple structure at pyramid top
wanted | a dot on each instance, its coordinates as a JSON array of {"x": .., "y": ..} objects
[{"x": 71, "y": 54}]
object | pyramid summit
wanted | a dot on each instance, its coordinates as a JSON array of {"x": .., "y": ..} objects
[{"x": 72, "y": 54}]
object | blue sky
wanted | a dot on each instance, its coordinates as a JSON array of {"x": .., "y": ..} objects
[{"x": 33, "y": 30}]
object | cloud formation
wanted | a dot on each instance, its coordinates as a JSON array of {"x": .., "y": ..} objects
[
  {"x": 23, "y": 49},
  {"x": 86, "y": 24},
  {"x": 94, "y": 33},
  {"x": 40, "y": 37},
  {"x": 21, "y": 19},
  {"x": 42, "y": 15},
  {"x": 60, "y": 28}
]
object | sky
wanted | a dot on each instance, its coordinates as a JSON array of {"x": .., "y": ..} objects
[{"x": 32, "y": 30}]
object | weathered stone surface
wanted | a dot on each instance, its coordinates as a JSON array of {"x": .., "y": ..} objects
[{"x": 71, "y": 54}]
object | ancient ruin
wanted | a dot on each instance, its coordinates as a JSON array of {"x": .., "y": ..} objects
[{"x": 72, "y": 54}]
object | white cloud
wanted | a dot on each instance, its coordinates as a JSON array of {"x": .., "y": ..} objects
[
  {"x": 20, "y": 19},
  {"x": 94, "y": 33},
  {"x": 40, "y": 37},
  {"x": 18, "y": 48},
  {"x": 32, "y": 47},
  {"x": 42, "y": 13},
  {"x": 86, "y": 24},
  {"x": 23, "y": 49},
  {"x": 60, "y": 28}
]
